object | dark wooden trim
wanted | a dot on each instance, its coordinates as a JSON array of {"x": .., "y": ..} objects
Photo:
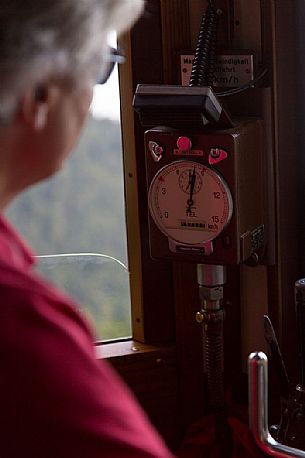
[
  {"x": 288, "y": 131},
  {"x": 189, "y": 344},
  {"x": 175, "y": 24},
  {"x": 147, "y": 67},
  {"x": 300, "y": 119},
  {"x": 151, "y": 374},
  {"x": 275, "y": 303}
]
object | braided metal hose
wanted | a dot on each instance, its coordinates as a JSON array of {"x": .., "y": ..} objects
[{"x": 213, "y": 358}]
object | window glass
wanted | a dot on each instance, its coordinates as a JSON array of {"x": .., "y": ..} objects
[{"x": 79, "y": 215}]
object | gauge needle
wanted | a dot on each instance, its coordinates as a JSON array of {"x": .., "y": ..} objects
[{"x": 191, "y": 185}]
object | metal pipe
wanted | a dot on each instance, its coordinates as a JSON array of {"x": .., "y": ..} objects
[
  {"x": 211, "y": 279},
  {"x": 258, "y": 409}
]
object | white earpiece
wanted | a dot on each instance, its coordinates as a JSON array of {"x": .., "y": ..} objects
[{"x": 41, "y": 116}]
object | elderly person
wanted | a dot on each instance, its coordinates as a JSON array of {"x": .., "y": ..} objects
[{"x": 56, "y": 399}]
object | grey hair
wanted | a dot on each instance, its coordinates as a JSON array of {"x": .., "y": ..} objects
[{"x": 54, "y": 38}]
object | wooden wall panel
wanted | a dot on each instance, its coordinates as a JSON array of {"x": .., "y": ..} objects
[
  {"x": 289, "y": 129},
  {"x": 157, "y": 318},
  {"x": 170, "y": 295},
  {"x": 175, "y": 36},
  {"x": 151, "y": 374},
  {"x": 192, "y": 390}
]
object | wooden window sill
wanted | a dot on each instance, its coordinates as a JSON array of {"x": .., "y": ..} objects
[{"x": 129, "y": 348}]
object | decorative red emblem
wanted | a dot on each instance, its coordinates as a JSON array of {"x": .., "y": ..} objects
[{"x": 217, "y": 155}]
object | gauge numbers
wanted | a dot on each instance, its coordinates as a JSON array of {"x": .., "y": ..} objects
[{"x": 190, "y": 202}]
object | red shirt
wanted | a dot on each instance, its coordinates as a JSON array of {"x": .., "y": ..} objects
[{"x": 56, "y": 399}]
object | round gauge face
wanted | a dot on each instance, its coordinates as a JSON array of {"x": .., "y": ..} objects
[{"x": 190, "y": 202}]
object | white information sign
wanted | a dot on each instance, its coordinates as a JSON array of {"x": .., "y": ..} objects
[{"x": 231, "y": 70}]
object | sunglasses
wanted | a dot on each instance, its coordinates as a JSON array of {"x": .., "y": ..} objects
[{"x": 115, "y": 57}]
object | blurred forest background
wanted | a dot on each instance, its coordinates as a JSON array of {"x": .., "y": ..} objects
[{"x": 81, "y": 210}]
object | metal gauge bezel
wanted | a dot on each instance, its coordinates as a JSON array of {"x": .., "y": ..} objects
[{"x": 189, "y": 236}]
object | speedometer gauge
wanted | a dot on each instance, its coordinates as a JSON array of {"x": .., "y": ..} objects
[{"x": 190, "y": 202}]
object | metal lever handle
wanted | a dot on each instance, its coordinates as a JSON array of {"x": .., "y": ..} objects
[{"x": 258, "y": 409}]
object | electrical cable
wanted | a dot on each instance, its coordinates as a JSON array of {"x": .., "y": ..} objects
[
  {"x": 204, "y": 59},
  {"x": 242, "y": 88}
]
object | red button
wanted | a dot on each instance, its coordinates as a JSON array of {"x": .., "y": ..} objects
[{"x": 184, "y": 143}]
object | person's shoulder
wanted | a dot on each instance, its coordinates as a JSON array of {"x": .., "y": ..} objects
[
  {"x": 22, "y": 286},
  {"x": 27, "y": 301},
  {"x": 14, "y": 280}
]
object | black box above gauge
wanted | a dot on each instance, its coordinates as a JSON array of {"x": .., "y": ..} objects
[{"x": 178, "y": 106}]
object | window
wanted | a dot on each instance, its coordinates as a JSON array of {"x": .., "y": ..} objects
[{"x": 79, "y": 216}]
